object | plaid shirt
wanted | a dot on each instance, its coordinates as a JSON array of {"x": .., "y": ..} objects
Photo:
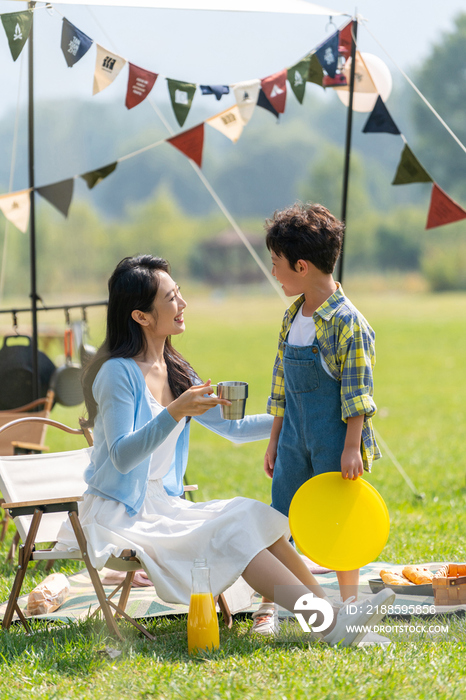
[{"x": 347, "y": 344}]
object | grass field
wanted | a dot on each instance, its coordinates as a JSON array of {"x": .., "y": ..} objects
[{"x": 420, "y": 388}]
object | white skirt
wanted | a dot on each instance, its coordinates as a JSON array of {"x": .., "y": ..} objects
[{"x": 169, "y": 532}]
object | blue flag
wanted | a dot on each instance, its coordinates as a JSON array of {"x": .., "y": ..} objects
[
  {"x": 327, "y": 53},
  {"x": 217, "y": 90},
  {"x": 74, "y": 43},
  {"x": 380, "y": 121},
  {"x": 263, "y": 101}
]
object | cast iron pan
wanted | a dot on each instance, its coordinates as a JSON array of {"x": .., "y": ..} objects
[{"x": 66, "y": 382}]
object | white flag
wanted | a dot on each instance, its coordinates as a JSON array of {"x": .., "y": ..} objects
[
  {"x": 107, "y": 67},
  {"x": 16, "y": 208},
  {"x": 246, "y": 95},
  {"x": 228, "y": 123}
]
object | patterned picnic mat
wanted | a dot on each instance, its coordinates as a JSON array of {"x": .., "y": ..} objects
[{"x": 144, "y": 603}]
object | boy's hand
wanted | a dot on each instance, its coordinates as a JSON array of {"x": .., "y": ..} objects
[
  {"x": 351, "y": 463},
  {"x": 270, "y": 457}
]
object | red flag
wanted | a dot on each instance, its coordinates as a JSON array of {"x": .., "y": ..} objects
[
  {"x": 190, "y": 143},
  {"x": 443, "y": 210},
  {"x": 140, "y": 83},
  {"x": 275, "y": 89},
  {"x": 345, "y": 40}
]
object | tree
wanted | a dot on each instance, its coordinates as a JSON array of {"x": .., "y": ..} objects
[{"x": 441, "y": 81}]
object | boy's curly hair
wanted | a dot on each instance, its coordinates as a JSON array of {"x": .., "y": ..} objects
[{"x": 306, "y": 232}]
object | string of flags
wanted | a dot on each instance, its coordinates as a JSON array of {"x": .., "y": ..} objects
[{"x": 323, "y": 66}]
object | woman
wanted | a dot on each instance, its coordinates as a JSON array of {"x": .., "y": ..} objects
[{"x": 140, "y": 395}]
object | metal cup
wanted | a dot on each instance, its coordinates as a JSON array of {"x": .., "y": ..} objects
[{"x": 237, "y": 393}]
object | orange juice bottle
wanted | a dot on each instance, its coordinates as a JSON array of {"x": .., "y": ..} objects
[{"x": 203, "y": 631}]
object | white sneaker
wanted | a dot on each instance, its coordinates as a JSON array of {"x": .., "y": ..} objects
[
  {"x": 354, "y": 619},
  {"x": 265, "y": 620},
  {"x": 372, "y": 639}
]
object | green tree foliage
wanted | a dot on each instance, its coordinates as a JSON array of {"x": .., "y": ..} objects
[{"x": 441, "y": 78}]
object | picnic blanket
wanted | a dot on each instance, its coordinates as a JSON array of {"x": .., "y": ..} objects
[{"x": 144, "y": 602}]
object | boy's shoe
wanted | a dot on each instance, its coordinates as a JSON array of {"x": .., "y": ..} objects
[
  {"x": 265, "y": 620},
  {"x": 352, "y": 625},
  {"x": 372, "y": 639}
]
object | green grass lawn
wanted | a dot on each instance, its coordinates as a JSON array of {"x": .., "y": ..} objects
[{"x": 420, "y": 382}]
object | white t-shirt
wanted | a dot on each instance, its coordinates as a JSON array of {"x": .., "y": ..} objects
[{"x": 303, "y": 332}]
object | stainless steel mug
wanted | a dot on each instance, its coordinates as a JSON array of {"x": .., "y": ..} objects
[{"x": 237, "y": 393}]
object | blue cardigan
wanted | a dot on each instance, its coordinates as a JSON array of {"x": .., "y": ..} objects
[{"x": 126, "y": 434}]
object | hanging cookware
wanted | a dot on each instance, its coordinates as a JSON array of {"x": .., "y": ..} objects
[
  {"x": 86, "y": 351},
  {"x": 66, "y": 381},
  {"x": 16, "y": 372}
]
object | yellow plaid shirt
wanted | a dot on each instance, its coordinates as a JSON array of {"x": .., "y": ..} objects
[{"x": 347, "y": 343}]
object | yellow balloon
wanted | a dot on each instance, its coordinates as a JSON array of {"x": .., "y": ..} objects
[{"x": 339, "y": 523}]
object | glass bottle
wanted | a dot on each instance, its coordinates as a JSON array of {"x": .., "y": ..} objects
[{"x": 203, "y": 631}]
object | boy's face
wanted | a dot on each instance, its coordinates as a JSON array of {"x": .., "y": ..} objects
[{"x": 291, "y": 280}]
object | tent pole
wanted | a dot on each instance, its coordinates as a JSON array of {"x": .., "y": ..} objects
[
  {"x": 349, "y": 127},
  {"x": 32, "y": 221}
]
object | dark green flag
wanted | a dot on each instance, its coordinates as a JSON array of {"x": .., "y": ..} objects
[
  {"x": 298, "y": 76},
  {"x": 59, "y": 194},
  {"x": 17, "y": 27},
  {"x": 93, "y": 177},
  {"x": 316, "y": 74},
  {"x": 410, "y": 170},
  {"x": 181, "y": 95}
]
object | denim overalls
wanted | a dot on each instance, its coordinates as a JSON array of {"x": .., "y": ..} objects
[{"x": 313, "y": 434}]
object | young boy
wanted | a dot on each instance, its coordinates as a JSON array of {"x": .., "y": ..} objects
[{"x": 322, "y": 386}]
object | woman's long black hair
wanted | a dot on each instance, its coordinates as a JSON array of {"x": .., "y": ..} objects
[{"x": 133, "y": 286}]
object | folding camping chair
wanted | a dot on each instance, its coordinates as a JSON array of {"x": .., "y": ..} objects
[{"x": 42, "y": 490}]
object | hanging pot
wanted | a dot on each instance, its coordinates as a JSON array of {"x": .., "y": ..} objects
[
  {"x": 86, "y": 351},
  {"x": 66, "y": 381},
  {"x": 16, "y": 372}
]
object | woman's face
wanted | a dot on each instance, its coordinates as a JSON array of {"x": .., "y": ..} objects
[{"x": 167, "y": 310}]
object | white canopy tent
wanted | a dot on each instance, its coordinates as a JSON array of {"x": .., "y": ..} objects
[{"x": 290, "y": 7}]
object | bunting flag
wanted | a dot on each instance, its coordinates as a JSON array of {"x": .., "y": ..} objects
[
  {"x": 274, "y": 88},
  {"x": 409, "y": 169},
  {"x": 74, "y": 43},
  {"x": 16, "y": 208},
  {"x": 190, "y": 143},
  {"x": 327, "y": 53},
  {"x": 316, "y": 73},
  {"x": 93, "y": 177},
  {"x": 140, "y": 83},
  {"x": 262, "y": 101},
  {"x": 228, "y": 123},
  {"x": 246, "y": 95},
  {"x": 217, "y": 90},
  {"x": 443, "y": 210},
  {"x": 107, "y": 67},
  {"x": 181, "y": 95},
  {"x": 345, "y": 40},
  {"x": 380, "y": 120},
  {"x": 17, "y": 27},
  {"x": 297, "y": 77},
  {"x": 59, "y": 195}
]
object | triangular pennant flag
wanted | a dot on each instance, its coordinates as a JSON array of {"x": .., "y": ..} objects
[
  {"x": 327, "y": 53},
  {"x": 140, "y": 83},
  {"x": 190, "y": 143},
  {"x": 107, "y": 67},
  {"x": 262, "y": 101},
  {"x": 316, "y": 73},
  {"x": 380, "y": 120},
  {"x": 228, "y": 123},
  {"x": 59, "y": 195},
  {"x": 443, "y": 210},
  {"x": 246, "y": 95},
  {"x": 74, "y": 43},
  {"x": 345, "y": 40},
  {"x": 16, "y": 208},
  {"x": 181, "y": 95},
  {"x": 217, "y": 90},
  {"x": 297, "y": 77},
  {"x": 409, "y": 169},
  {"x": 93, "y": 177},
  {"x": 17, "y": 27},
  {"x": 275, "y": 90}
]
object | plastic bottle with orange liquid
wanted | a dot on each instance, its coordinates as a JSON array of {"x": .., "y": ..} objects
[{"x": 203, "y": 631}]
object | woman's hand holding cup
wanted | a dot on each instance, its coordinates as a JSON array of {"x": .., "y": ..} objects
[{"x": 195, "y": 401}]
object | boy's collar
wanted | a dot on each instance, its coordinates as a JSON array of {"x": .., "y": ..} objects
[{"x": 326, "y": 310}]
